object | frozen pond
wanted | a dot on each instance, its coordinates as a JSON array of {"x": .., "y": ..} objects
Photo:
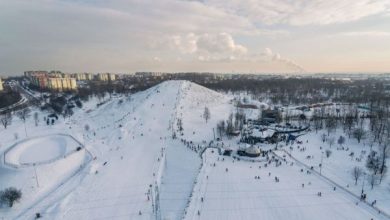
[{"x": 40, "y": 150}]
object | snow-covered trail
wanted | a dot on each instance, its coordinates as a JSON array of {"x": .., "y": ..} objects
[
  {"x": 236, "y": 194},
  {"x": 182, "y": 167}
]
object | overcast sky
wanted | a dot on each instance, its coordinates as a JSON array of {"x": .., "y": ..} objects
[{"x": 195, "y": 35}]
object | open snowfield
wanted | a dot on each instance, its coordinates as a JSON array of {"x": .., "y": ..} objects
[
  {"x": 132, "y": 168},
  {"x": 338, "y": 167},
  {"x": 236, "y": 194}
]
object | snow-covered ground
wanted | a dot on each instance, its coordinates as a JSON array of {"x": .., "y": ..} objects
[
  {"x": 338, "y": 167},
  {"x": 132, "y": 168},
  {"x": 229, "y": 190}
]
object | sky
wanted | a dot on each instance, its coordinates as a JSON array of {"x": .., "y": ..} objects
[{"x": 232, "y": 36}]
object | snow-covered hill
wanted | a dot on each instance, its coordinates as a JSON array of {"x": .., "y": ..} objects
[{"x": 128, "y": 140}]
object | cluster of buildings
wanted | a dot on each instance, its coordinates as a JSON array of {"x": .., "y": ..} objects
[
  {"x": 51, "y": 80},
  {"x": 56, "y": 80}
]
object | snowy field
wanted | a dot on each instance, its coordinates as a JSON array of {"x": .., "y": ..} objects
[
  {"x": 338, "y": 167},
  {"x": 237, "y": 194}
]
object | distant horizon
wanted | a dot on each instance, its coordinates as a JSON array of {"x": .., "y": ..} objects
[{"x": 207, "y": 72}]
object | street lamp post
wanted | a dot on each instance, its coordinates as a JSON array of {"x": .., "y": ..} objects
[
  {"x": 36, "y": 176},
  {"x": 364, "y": 179},
  {"x": 322, "y": 156}
]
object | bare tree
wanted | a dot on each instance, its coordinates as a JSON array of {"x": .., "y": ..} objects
[
  {"x": 36, "y": 118},
  {"x": 331, "y": 141},
  {"x": 68, "y": 112},
  {"x": 341, "y": 140},
  {"x": 323, "y": 138},
  {"x": 348, "y": 123},
  {"x": 10, "y": 196},
  {"x": 357, "y": 172},
  {"x": 23, "y": 115},
  {"x": 317, "y": 121},
  {"x": 372, "y": 162},
  {"x": 330, "y": 124},
  {"x": 229, "y": 126},
  {"x": 359, "y": 134},
  {"x": 384, "y": 152},
  {"x": 206, "y": 114},
  {"x": 6, "y": 120},
  {"x": 373, "y": 180},
  {"x": 221, "y": 128}
]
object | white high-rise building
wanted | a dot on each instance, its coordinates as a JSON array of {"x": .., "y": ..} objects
[{"x": 1, "y": 85}]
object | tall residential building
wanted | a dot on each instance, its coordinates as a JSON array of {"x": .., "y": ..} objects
[
  {"x": 83, "y": 76},
  {"x": 112, "y": 76},
  {"x": 89, "y": 76},
  {"x": 1, "y": 85},
  {"x": 62, "y": 83},
  {"x": 102, "y": 77},
  {"x": 106, "y": 77}
]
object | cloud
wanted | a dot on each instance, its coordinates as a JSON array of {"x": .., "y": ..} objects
[
  {"x": 157, "y": 59},
  {"x": 205, "y": 46},
  {"x": 366, "y": 34},
  {"x": 220, "y": 43},
  {"x": 302, "y": 12},
  {"x": 222, "y": 48}
]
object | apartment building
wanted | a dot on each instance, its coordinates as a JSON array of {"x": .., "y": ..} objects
[
  {"x": 1, "y": 85},
  {"x": 53, "y": 80}
]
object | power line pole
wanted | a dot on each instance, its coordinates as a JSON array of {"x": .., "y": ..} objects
[{"x": 322, "y": 155}]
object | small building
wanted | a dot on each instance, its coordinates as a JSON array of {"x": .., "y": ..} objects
[
  {"x": 251, "y": 151},
  {"x": 270, "y": 116},
  {"x": 227, "y": 152},
  {"x": 258, "y": 135}
]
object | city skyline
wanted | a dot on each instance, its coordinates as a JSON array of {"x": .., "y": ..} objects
[{"x": 200, "y": 36}]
